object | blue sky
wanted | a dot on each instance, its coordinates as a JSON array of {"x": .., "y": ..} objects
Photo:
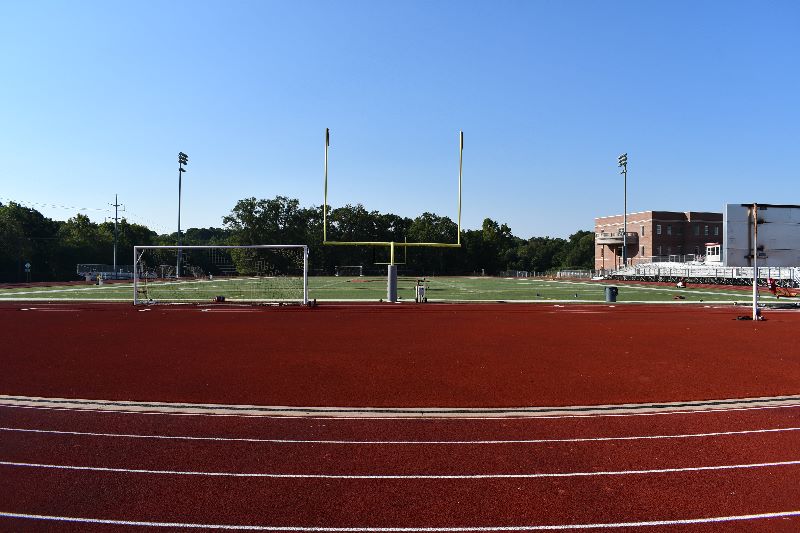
[{"x": 97, "y": 98}]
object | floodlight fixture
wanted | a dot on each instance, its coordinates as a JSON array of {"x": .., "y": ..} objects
[{"x": 183, "y": 159}]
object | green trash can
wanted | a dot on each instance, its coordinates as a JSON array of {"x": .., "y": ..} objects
[{"x": 611, "y": 294}]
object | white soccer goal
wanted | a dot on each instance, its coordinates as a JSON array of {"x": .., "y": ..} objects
[
  {"x": 186, "y": 274},
  {"x": 352, "y": 270}
]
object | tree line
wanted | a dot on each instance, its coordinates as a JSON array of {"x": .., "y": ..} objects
[{"x": 54, "y": 248}]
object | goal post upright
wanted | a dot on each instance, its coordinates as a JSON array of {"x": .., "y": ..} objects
[
  {"x": 305, "y": 274},
  {"x": 135, "y": 277}
]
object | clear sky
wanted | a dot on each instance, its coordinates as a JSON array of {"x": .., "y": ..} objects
[{"x": 97, "y": 98}]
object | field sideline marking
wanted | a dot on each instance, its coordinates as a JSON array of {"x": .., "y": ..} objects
[
  {"x": 275, "y": 475},
  {"x": 399, "y": 412},
  {"x": 553, "y": 527},
  {"x": 399, "y": 442},
  {"x": 662, "y": 288}
]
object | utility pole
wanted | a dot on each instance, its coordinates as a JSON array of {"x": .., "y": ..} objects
[
  {"x": 116, "y": 205},
  {"x": 183, "y": 159},
  {"x": 623, "y": 164}
]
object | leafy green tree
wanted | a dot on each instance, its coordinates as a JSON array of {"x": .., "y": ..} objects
[
  {"x": 579, "y": 251},
  {"x": 429, "y": 227},
  {"x": 541, "y": 254},
  {"x": 276, "y": 221},
  {"x": 26, "y": 236}
]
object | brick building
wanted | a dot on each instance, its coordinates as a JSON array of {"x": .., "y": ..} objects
[{"x": 655, "y": 236}]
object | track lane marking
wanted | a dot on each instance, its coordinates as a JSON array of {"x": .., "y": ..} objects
[
  {"x": 274, "y": 475},
  {"x": 430, "y": 418},
  {"x": 403, "y": 412},
  {"x": 400, "y": 442},
  {"x": 554, "y": 527}
]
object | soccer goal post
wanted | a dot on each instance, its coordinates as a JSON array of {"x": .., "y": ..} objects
[
  {"x": 265, "y": 273},
  {"x": 351, "y": 270}
]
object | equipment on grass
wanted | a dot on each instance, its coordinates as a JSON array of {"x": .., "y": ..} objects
[
  {"x": 257, "y": 273},
  {"x": 421, "y": 291}
]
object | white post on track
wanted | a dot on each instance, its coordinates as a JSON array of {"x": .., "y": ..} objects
[
  {"x": 755, "y": 261},
  {"x": 305, "y": 275},
  {"x": 135, "y": 279}
]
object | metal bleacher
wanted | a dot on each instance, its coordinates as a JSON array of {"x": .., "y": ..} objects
[{"x": 703, "y": 273}]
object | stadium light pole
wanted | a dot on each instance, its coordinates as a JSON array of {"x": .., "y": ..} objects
[
  {"x": 623, "y": 164},
  {"x": 183, "y": 159}
]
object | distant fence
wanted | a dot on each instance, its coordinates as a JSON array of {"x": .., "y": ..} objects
[
  {"x": 91, "y": 271},
  {"x": 583, "y": 274},
  {"x": 785, "y": 276}
]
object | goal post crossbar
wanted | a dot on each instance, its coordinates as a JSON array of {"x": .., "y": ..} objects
[{"x": 138, "y": 250}]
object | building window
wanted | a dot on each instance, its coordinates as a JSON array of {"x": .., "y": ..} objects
[
  {"x": 669, "y": 250},
  {"x": 658, "y": 229},
  {"x": 642, "y": 250},
  {"x": 697, "y": 229},
  {"x": 680, "y": 249},
  {"x": 642, "y": 231},
  {"x": 680, "y": 230},
  {"x": 669, "y": 229},
  {"x": 706, "y": 231},
  {"x": 659, "y": 250},
  {"x": 716, "y": 231}
]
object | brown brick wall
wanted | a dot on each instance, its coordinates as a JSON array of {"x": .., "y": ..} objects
[{"x": 677, "y": 235}]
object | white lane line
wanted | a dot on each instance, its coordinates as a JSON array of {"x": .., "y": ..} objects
[
  {"x": 399, "y": 442},
  {"x": 400, "y": 412},
  {"x": 274, "y": 475},
  {"x": 49, "y": 310},
  {"x": 310, "y": 416},
  {"x": 554, "y": 527}
]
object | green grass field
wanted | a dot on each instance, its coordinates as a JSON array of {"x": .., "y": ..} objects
[{"x": 374, "y": 288}]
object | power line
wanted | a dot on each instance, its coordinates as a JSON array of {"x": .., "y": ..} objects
[{"x": 54, "y": 206}]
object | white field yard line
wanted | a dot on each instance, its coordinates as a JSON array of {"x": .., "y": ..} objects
[
  {"x": 68, "y": 300},
  {"x": 398, "y": 529},
  {"x": 399, "y": 412},
  {"x": 280, "y": 475},
  {"x": 574, "y": 301},
  {"x": 119, "y": 287},
  {"x": 129, "y": 286},
  {"x": 723, "y": 292},
  {"x": 400, "y": 442},
  {"x": 548, "y": 285}
]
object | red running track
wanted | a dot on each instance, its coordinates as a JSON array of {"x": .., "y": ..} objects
[
  {"x": 435, "y": 355},
  {"x": 149, "y": 478},
  {"x": 304, "y": 472}
]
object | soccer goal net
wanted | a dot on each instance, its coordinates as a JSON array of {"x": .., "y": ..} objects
[
  {"x": 353, "y": 270},
  {"x": 185, "y": 274}
]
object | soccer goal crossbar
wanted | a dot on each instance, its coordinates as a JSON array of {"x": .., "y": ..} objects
[{"x": 261, "y": 273}]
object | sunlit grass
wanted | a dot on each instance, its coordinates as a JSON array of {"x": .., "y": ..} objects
[{"x": 374, "y": 288}]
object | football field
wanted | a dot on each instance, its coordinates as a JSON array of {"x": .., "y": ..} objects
[{"x": 373, "y": 288}]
